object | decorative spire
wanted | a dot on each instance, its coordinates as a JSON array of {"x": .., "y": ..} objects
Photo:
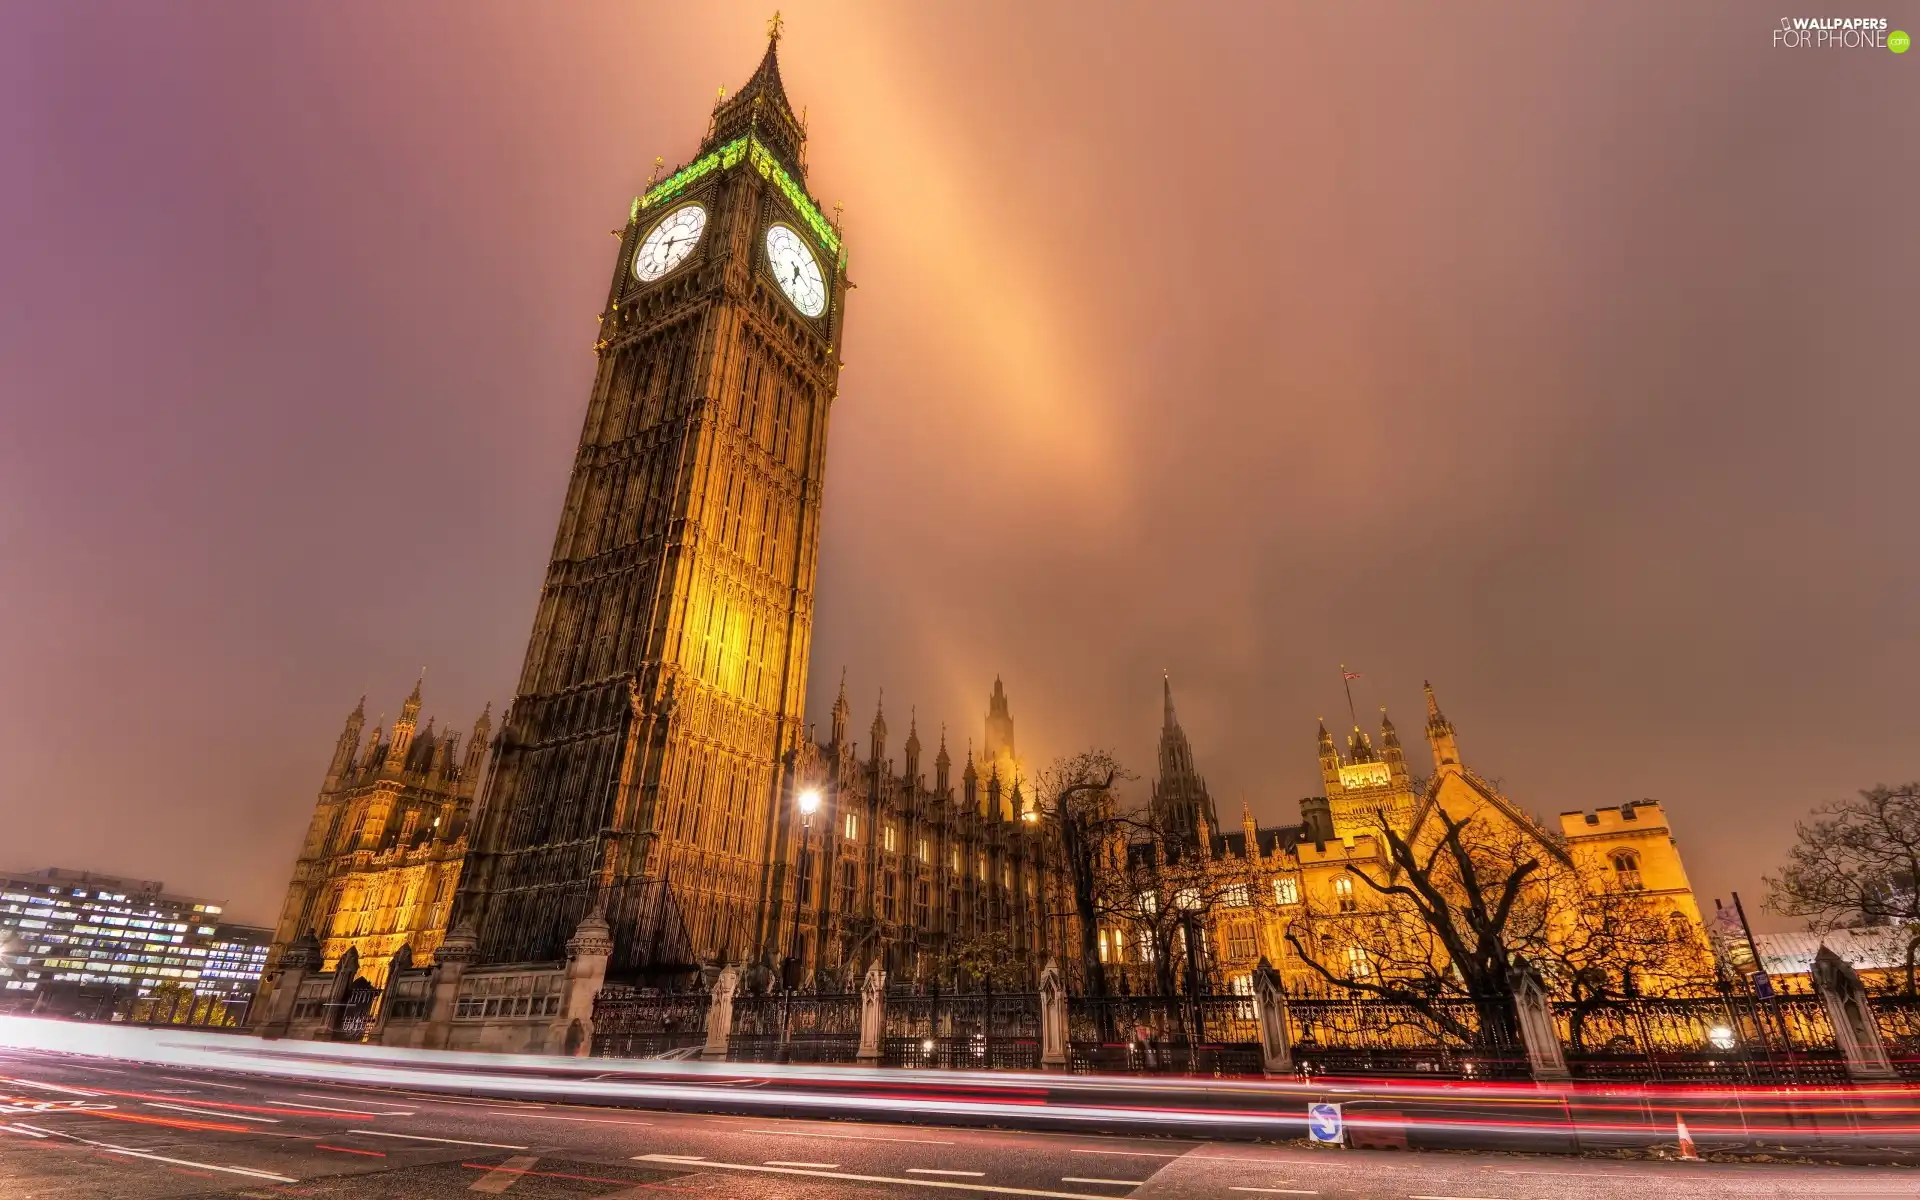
[
  {"x": 841, "y": 710},
  {"x": 1390, "y": 751},
  {"x": 879, "y": 730},
  {"x": 1168, "y": 721},
  {"x": 1446, "y": 751},
  {"x": 760, "y": 108}
]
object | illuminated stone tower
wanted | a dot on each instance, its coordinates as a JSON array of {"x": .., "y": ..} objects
[{"x": 649, "y": 743}]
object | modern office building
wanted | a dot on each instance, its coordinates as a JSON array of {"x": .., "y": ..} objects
[
  {"x": 68, "y": 932},
  {"x": 235, "y": 960}
]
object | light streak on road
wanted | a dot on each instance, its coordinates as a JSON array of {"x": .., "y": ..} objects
[{"x": 1519, "y": 1115}]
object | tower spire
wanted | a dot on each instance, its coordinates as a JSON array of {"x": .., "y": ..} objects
[
  {"x": 1446, "y": 751},
  {"x": 1166, "y": 689}
]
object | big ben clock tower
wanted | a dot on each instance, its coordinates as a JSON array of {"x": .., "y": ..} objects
[{"x": 650, "y": 740}]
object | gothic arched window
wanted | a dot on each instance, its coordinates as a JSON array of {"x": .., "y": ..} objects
[
  {"x": 1343, "y": 893},
  {"x": 1626, "y": 865}
]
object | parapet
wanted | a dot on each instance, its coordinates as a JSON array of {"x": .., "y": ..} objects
[{"x": 1635, "y": 816}]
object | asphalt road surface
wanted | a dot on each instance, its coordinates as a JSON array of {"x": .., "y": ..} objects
[{"x": 75, "y": 1129}]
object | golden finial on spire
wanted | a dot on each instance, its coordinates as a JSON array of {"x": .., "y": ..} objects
[
  {"x": 660, "y": 164},
  {"x": 774, "y": 25},
  {"x": 720, "y": 94}
]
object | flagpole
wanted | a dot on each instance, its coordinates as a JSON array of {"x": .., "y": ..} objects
[{"x": 1346, "y": 681}]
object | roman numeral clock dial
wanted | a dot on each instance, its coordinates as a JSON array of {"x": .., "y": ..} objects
[
  {"x": 669, "y": 242},
  {"x": 796, "y": 270}
]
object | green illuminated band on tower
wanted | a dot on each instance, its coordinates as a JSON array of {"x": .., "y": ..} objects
[{"x": 747, "y": 147}]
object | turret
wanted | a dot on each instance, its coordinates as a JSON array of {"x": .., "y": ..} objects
[
  {"x": 1316, "y": 813},
  {"x": 1360, "y": 747},
  {"x": 1249, "y": 830},
  {"x": 1446, "y": 751},
  {"x": 970, "y": 782},
  {"x": 878, "y": 732},
  {"x": 371, "y": 758},
  {"x": 913, "y": 747},
  {"x": 1390, "y": 751},
  {"x": 403, "y": 727},
  {"x": 941, "y": 762},
  {"x": 1329, "y": 760},
  {"x": 840, "y": 713},
  {"x": 348, "y": 743},
  {"x": 477, "y": 748},
  {"x": 993, "y": 794}
]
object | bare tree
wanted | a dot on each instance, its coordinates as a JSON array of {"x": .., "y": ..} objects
[
  {"x": 1442, "y": 919},
  {"x": 1857, "y": 862},
  {"x": 1076, "y": 792}
]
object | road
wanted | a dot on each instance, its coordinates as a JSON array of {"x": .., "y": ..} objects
[{"x": 76, "y": 1129}]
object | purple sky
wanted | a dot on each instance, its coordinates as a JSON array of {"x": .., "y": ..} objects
[{"x": 1564, "y": 357}]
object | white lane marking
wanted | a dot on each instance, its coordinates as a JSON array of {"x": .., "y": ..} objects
[
  {"x": 1093, "y": 1179},
  {"x": 110, "y": 1148},
  {"x": 360, "y": 1100},
  {"x": 21, "y": 1129},
  {"x": 504, "y": 1176},
  {"x": 414, "y": 1137},
  {"x": 1576, "y": 1174},
  {"x": 232, "y": 1087},
  {"x": 781, "y": 1162},
  {"x": 937, "y": 1171},
  {"x": 351, "y": 1112},
  {"x": 587, "y": 1120},
  {"x": 1131, "y": 1153},
  {"x": 49, "y": 1087},
  {"x": 848, "y": 1137},
  {"x": 989, "y": 1188},
  {"x": 1277, "y": 1191},
  {"x": 209, "y": 1112}
]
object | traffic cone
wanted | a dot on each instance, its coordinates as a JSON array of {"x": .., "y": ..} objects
[{"x": 1685, "y": 1139}]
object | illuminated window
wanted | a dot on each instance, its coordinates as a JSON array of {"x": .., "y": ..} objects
[
  {"x": 1343, "y": 894},
  {"x": 923, "y": 850},
  {"x": 853, "y": 827},
  {"x": 1187, "y": 898},
  {"x": 1286, "y": 890},
  {"x": 983, "y": 868},
  {"x": 1626, "y": 865},
  {"x": 886, "y": 837},
  {"x": 1358, "y": 965},
  {"x": 956, "y": 860},
  {"x": 1240, "y": 939},
  {"x": 1236, "y": 896}
]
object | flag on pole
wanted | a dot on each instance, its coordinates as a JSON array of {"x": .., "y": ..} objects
[{"x": 1346, "y": 674}]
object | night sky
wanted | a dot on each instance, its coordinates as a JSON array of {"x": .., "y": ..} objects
[{"x": 1562, "y": 357}]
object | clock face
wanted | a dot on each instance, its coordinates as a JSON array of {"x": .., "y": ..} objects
[
  {"x": 796, "y": 270},
  {"x": 669, "y": 242}
]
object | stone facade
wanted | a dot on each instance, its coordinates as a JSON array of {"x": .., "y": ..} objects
[
  {"x": 903, "y": 867},
  {"x": 1260, "y": 881},
  {"x": 377, "y": 870}
]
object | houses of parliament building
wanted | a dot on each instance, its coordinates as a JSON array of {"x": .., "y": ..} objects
[{"x": 640, "y": 802}]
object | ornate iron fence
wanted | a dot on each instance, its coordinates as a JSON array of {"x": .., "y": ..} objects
[
  {"x": 1730, "y": 1038},
  {"x": 629, "y": 1023},
  {"x": 805, "y": 1028},
  {"x": 1206, "y": 1035},
  {"x": 1899, "y": 1021},
  {"x": 965, "y": 1030},
  {"x": 1357, "y": 1037}
]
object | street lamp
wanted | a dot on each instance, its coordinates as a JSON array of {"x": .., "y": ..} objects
[{"x": 809, "y": 802}]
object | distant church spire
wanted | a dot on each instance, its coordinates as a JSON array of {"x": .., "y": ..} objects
[{"x": 1180, "y": 802}]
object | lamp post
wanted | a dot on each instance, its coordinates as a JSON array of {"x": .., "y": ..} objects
[{"x": 809, "y": 801}]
